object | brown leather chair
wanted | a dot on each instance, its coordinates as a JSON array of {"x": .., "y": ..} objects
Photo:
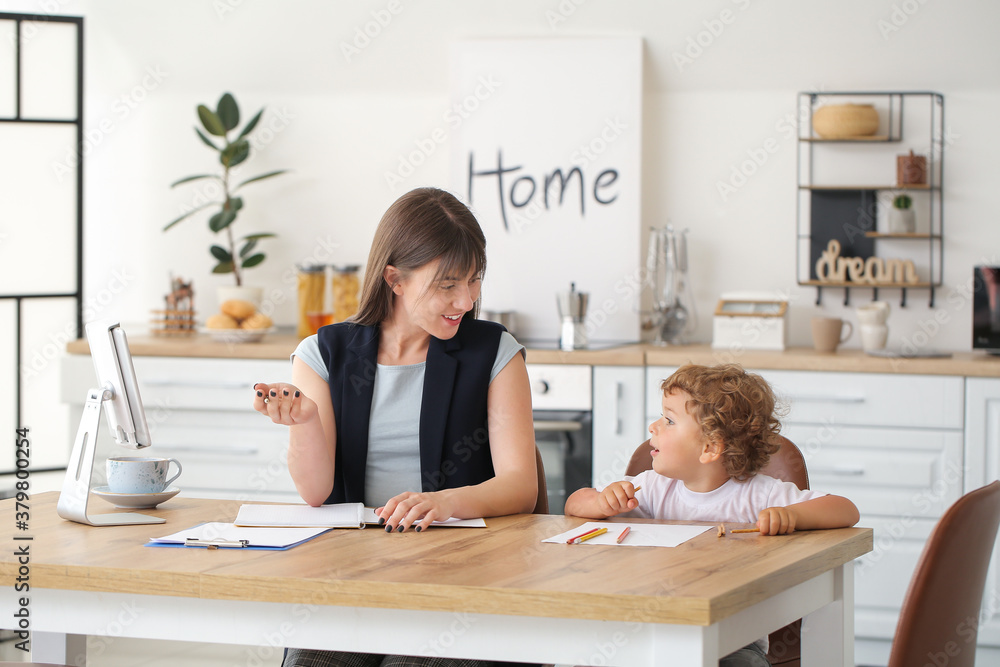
[
  {"x": 787, "y": 464},
  {"x": 940, "y": 617},
  {"x": 542, "y": 502}
]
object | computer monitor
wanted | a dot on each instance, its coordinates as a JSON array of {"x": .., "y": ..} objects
[
  {"x": 113, "y": 364},
  {"x": 986, "y": 308},
  {"x": 118, "y": 396}
]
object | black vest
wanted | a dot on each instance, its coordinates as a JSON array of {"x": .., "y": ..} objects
[{"x": 454, "y": 438}]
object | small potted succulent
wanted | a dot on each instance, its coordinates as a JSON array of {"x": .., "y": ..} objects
[
  {"x": 232, "y": 152},
  {"x": 902, "y": 219}
]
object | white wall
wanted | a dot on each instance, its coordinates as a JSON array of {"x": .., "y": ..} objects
[{"x": 342, "y": 124}]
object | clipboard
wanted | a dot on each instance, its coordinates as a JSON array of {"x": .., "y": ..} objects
[{"x": 216, "y": 535}]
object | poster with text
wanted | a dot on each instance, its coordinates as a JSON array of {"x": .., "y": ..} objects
[{"x": 545, "y": 139}]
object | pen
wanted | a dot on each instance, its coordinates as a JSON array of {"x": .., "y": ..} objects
[
  {"x": 215, "y": 544},
  {"x": 624, "y": 534},
  {"x": 595, "y": 533},
  {"x": 573, "y": 540}
]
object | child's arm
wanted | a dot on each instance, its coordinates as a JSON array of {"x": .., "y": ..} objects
[
  {"x": 824, "y": 512},
  {"x": 616, "y": 498}
]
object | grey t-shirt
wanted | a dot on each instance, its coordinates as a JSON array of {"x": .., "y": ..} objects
[{"x": 393, "y": 430}]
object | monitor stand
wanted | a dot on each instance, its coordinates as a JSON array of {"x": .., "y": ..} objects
[{"x": 76, "y": 486}]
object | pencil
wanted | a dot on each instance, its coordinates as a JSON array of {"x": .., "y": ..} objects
[
  {"x": 587, "y": 536},
  {"x": 624, "y": 534},
  {"x": 573, "y": 540},
  {"x": 637, "y": 489}
]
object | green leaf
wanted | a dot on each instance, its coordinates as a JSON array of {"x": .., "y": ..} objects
[
  {"x": 263, "y": 235},
  {"x": 221, "y": 253},
  {"x": 260, "y": 178},
  {"x": 253, "y": 260},
  {"x": 235, "y": 153},
  {"x": 223, "y": 267},
  {"x": 235, "y": 203},
  {"x": 207, "y": 140},
  {"x": 228, "y": 112},
  {"x": 221, "y": 220},
  {"x": 193, "y": 178},
  {"x": 252, "y": 124},
  {"x": 247, "y": 247},
  {"x": 211, "y": 121},
  {"x": 189, "y": 213}
]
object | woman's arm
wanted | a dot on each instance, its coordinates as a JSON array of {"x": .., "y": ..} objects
[
  {"x": 305, "y": 407},
  {"x": 513, "y": 489}
]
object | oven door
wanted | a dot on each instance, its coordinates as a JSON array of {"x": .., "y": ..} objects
[{"x": 564, "y": 438}]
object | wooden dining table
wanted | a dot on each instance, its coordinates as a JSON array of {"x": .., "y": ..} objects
[{"x": 497, "y": 593}]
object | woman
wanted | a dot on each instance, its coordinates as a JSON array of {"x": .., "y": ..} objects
[{"x": 414, "y": 407}]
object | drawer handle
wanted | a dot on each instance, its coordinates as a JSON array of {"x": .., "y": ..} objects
[
  {"x": 557, "y": 426},
  {"x": 163, "y": 382},
  {"x": 840, "y": 471},
  {"x": 826, "y": 398},
  {"x": 207, "y": 449}
]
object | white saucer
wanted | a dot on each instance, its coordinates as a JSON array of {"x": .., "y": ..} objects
[{"x": 136, "y": 501}]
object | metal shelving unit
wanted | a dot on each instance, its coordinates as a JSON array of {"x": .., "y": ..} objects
[{"x": 848, "y": 213}]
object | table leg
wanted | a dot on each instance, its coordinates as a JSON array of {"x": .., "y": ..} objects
[
  {"x": 59, "y": 649},
  {"x": 828, "y": 633}
]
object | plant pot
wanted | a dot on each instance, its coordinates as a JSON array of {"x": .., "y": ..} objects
[
  {"x": 902, "y": 221},
  {"x": 242, "y": 292},
  {"x": 843, "y": 121}
]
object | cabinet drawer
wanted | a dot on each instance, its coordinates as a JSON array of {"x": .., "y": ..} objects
[
  {"x": 901, "y": 472},
  {"x": 873, "y": 399},
  {"x": 170, "y": 383}
]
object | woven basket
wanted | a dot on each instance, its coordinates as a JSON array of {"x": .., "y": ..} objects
[{"x": 843, "y": 121}]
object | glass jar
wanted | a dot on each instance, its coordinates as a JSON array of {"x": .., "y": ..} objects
[
  {"x": 313, "y": 312},
  {"x": 345, "y": 286}
]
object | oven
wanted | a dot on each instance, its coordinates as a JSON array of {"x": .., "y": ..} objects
[{"x": 561, "y": 401}]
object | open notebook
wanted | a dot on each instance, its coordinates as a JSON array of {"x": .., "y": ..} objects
[{"x": 339, "y": 515}]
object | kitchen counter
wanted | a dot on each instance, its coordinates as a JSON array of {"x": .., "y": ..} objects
[{"x": 280, "y": 346}]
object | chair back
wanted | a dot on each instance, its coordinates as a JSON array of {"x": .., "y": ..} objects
[
  {"x": 542, "y": 501},
  {"x": 942, "y": 605},
  {"x": 788, "y": 465}
]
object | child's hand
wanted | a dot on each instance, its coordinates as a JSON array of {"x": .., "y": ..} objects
[
  {"x": 776, "y": 521},
  {"x": 616, "y": 498}
]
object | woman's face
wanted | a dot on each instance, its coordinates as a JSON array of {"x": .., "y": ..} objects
[{"x": 436, "y": 305}]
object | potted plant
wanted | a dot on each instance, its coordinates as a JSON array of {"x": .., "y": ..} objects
[
  {"x": 232, "y": 152},
  {"x": 901, "y": 217}
]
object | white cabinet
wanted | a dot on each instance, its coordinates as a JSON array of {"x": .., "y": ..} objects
[
  {"x": 199, "y": 412},
  {"x": 618, "y": 421},
  {"x": 982, "y": 459}
]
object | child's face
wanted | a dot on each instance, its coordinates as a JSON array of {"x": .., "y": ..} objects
[{"x": 677, "y": 439}]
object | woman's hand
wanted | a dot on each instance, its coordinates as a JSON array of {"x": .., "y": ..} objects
[
  {"x": 417, "y": 510},
  {"x": 283, "y": 403}
]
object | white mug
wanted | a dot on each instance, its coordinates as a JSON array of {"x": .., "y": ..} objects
[
  {"x": 874, "y": 336},
  {"x": 139, "y": 474}
]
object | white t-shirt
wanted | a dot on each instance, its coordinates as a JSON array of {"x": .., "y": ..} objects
[{"x": 735, "y": 502}]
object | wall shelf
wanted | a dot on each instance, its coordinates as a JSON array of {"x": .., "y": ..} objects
[{"x": 855, "y": 215}]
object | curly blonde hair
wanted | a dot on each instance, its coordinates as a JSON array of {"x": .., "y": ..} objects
[{"x": 733, "y": 407}]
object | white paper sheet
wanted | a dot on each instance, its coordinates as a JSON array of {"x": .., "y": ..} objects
[
  {"x": 640, "y": 535},
  {"x": 341, "y": 515}
]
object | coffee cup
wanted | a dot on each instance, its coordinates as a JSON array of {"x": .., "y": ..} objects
[
  {"x": 876, "y": 312},
  {"x": 139, "y": 474},
  {"x": 874, "y": 336},
  {"x": 828, "y": 333}
]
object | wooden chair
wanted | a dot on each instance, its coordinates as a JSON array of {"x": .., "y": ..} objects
[
  {"x": 542, "y": 502},
  {"x": 939, "y": 621},
  {"x": 787, "y": 464}
]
